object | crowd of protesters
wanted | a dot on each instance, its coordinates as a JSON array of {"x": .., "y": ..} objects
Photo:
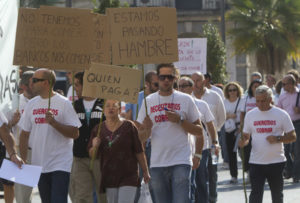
[{"x": 171, "y": 139}]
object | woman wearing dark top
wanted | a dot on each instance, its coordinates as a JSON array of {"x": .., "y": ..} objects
[{"x": 120, "y": 151}]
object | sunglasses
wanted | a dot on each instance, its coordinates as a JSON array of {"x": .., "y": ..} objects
[
  {"x": 232, "y": 90},
  {"x": 184, "y": 86},
  {"x": 35, "y": 80},
  {"x": 163, "y": 77}
]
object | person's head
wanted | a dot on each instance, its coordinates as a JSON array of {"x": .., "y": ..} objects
[
  {"x": 112, "y": 109},
  {"x": 232, "y": 90},
  {"x": 151, "y": 81},
  {"x": 295, "y": 73},
  {"x": 78, "y": 83},
  {"x": 186, "y": 85},
  {"x": 289, "y": 83},
  {"x": 278, "y": 87},
  {"x": 166, "y": 76},
  {"x": 263, "y": 96},
  {"x": 270, "y": 80},
  {"x": 207, "y": 79},
  {"x": 198, "y": 79},
  {"x": 252, "y": 87},
  {"x": 26, "y": 84},
  {"x": 255, "y": 76},
  {"x": 42, "y": 80}
]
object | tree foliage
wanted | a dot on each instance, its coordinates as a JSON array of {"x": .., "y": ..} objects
[
  {"x": 268, "y": 28},
  {"x": 216, "y": 53},
  {"x": 108, "y": 4}
]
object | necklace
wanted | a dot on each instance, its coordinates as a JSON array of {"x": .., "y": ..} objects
[
  {"x": 110, "y": 137},
  {"x": 163, "y": 107}
]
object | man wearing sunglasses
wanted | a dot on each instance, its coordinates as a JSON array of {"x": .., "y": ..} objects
[
  {"x": 50, "y": 127},
  {"x": 174, "y": 116}
]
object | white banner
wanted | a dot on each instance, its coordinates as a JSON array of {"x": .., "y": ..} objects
[
  {"x": 192, "y": 55},
  {"x": 8, "y": 72}
]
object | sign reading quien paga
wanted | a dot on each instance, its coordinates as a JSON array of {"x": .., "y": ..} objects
[
  {"x": 58, "y": 38},
  {"x": 112, "y": 82},
  {"x": 143, "y": 35}
]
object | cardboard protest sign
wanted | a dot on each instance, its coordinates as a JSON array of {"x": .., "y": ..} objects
[
  {"x": 192, "y": 55},
  {"x": 112, "y": 82},
  {"x": 143, "y": 35},
  {"x": 101, "y": 42},
  {"x": 101, "y": 38},
  {"x": 56, "y": 38}
]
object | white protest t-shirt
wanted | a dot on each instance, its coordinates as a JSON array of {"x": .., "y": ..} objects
[
  {"x": 218, "y": 90},
  {"x": 216, "y": 107},
  {"x": 2, "y": 119},
  {"x": 16, "y": 129},
  {"x": 206, "y": 116},
  {"x": 230, "y": 108},
  {"x": 261, "y": 124},
  {"x": 70, "y": 94},
  {"x": 169, "y": 142},
  {"x": 249, "y": 103},
  {"x": 50, "y": 149}
]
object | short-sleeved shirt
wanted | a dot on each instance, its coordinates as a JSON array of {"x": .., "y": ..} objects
[
  {"x": 206, "y": 116},
  {"x": 170, "y": 144},
  {"x": 119, "y": 164},
  {"x": 287, "y": 101},
  {"x": 133, "y": 107},
  {"x": 261, "y": 124},
  {"x": 50, "y": 149}
]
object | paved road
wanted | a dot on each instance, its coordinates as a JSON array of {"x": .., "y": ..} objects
[{"x": 233, "y": 193}]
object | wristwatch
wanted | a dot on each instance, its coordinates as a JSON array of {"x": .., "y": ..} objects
[
  {"x": 198, "y": 155},
  {"x": 278, "y": 138}
]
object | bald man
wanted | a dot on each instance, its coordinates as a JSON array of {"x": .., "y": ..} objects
[{"x": 49, "y": 131}]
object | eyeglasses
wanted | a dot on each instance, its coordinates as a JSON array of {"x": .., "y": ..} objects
[
  {"x": 163, "y": 77},
  {"x": 232, "y": 90},
  {"x": 155, "y": 84},
  {"x": 185, "y": 85},
  {"x": 35, "y": 80}
]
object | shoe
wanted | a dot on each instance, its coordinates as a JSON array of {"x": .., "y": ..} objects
[
  {"x": 295, "y": 180},
  {"x": 233, "y": 180}
]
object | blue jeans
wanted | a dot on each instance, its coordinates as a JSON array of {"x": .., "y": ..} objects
[
  {"x": 54, "y": 186},
  {"x": 202, "y": 190},
  {"x": 213, "y": 179},
  {"x": 171, "y": 184},
  {"x": 258, "y": 176}
]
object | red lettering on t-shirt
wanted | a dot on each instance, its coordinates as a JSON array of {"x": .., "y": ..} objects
[
  {"x": 264, "y": 130},
  {"x": 264, "y": 122},
  {"x": 42, "y": 111}
]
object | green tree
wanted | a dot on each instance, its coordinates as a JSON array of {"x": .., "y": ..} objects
[
  {"x": 107, "y": 4},
  {"x": 216, "y": 53},
  {"x": 268, "y": 28}
]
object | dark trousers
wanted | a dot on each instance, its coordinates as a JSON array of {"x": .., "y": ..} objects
[
  {"x": 232, "y": 156},
  {"x": 54, "y": 186},
  {"x": 247, "y": 152},
  {"x": 258, "y": 176},
  {"x": 213, "y": 179}
]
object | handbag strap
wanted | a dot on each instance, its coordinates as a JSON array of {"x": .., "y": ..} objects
[
  {"x": 238, "y": 104},
  {"x": 297, "y": 100}
]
